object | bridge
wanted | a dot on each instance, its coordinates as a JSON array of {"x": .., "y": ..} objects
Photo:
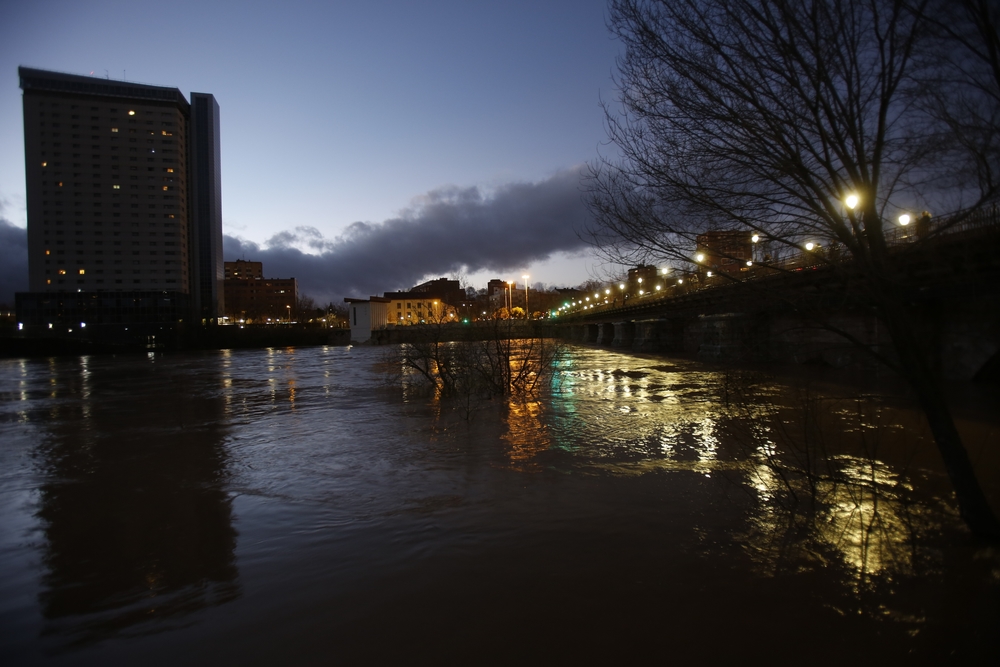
[{"x": 785, "y": 310}]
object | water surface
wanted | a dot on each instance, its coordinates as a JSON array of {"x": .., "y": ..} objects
[{"x": 298, "y": 506}]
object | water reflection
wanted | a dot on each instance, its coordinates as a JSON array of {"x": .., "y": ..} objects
[
  {"x": 824, "y": 494},
  {"x": 137, "y": 526},
  {"x": 827, "y": 497},
  {"x": 526, "y": 434}
]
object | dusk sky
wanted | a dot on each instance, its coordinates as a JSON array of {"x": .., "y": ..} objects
[{"x": 365, "y": 146}]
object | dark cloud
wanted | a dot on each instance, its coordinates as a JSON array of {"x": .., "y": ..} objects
[
  {"x": 13, "y": 261},
  {"x": 450, "y": 230}
]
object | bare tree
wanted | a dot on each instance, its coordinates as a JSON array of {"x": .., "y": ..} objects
[{"x": 805, "y": 121}]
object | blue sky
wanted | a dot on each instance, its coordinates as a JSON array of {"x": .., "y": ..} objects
[{"x": 397, "y": 115}]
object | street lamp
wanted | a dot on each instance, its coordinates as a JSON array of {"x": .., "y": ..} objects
[
  {"x": 510, "y": 296},
  {"x": 851, "y": 201},
  {"x": 904, "y": 220},
  {"x": 525, "y": 276}
]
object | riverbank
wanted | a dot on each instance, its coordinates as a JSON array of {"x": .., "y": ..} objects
[{"x": 96, "y": 341}]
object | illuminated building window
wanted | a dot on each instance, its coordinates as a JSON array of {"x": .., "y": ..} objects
[
  {"x": 114, "y": 129},
  {"x": 82, "y": 271},
  {"x": 116, "y": 187},
  {"x": 131, "y": 112},
  {"x": 62, "y": 272}
]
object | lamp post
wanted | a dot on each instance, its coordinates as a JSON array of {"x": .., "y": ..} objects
[
  {"x": 510, "y": 297},
  {"x": 525, "y": 276}
]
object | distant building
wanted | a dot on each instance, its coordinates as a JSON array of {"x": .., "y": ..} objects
[
  {"x": 365, "y": 316},
  {"x": 724, "y": 251},
  {"x": 443, "y": 289},
  {"x": 244, "y": 269},
  {"x": 252, "y": 298},
  {"x": 123, "y": 201},
  {"x": 434, "y": 301}
]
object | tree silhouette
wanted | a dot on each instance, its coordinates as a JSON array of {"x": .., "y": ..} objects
[{"x": 808, "y": 122}]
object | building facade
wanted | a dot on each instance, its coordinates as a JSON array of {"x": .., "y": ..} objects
[
  {"x": 416, "y": 308},
  {"x": 434, "y": 301},
  {"x": 251, "y": 298},
  {"x": 365, "y": 316},
  {"x": 123, "y": 192},
  {"x": 724, "y": 251},
  {"x": 242, "y": 268}
]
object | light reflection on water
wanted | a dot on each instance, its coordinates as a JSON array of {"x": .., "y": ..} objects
[{"x": 165, "y": 495}]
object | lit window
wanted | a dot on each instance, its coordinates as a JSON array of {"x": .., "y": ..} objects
[
  {"x": 131, "y": 112},
  {"x": 48, "y": 282},
  {"x": 45, "y": 164},
  {"x": 62, "y": 272},
  {"x": 116, "y": 187},
  {"x": 170, "y": 170},
  {"x": 167, "y": 134},
  {"x": 82, "y": 271},
  {"x": 114, "y": 129},
  {"x": 165, "y": 187},
  {"x": 48, "y": 252}
]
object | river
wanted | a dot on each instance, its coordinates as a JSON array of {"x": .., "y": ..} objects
[{"x": 299, "y": 506}]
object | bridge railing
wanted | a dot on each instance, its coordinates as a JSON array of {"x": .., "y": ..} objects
[{"x": 982, "y": 222}]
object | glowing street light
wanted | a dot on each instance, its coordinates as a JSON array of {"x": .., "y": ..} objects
[
  {"x": 700, "y": 257},
  {"x": 810, "y": 245},
  {"x": 904, "y": 220},
  {"x": 851, "y": 201}
]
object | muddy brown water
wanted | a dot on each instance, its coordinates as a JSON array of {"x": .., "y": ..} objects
[{"x": 297, "y": 506}]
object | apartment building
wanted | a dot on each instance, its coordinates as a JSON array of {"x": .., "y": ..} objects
[{"x": 123, "y": 189}]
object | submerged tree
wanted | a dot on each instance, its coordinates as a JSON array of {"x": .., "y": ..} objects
[{"x": 807, "y": 121}]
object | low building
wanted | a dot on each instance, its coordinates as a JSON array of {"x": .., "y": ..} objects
[
  {"x": 430, "y": 302},
  {"x": 414, "y": 308},
  {"x": 365, "y": 316}
]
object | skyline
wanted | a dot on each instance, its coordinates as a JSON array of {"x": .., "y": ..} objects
[{"x": 407, "y": 141}]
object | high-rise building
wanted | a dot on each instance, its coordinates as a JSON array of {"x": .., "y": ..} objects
[{"x": 123, "y": 200}]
